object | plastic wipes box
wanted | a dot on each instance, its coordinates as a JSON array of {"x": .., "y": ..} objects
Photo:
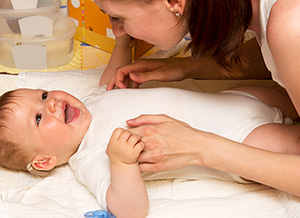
[
  {"x": 29, "y": 6},
  {"x": 36, "y": 41}
]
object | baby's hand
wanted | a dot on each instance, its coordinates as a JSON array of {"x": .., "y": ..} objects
[{"x": 124, "y": 147}]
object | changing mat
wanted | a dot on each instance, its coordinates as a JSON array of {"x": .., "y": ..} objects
[{"x": 61, "y": 195}]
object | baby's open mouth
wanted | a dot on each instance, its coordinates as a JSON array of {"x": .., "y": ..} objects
[{"x": 71, "y": 113}]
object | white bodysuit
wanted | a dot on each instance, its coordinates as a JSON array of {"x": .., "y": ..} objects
[{"x": 231, "y": 114}]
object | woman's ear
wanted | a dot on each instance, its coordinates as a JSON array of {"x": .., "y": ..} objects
[
  {"x": 44, "y": 163},
  {"x": 176, "y": 6}
]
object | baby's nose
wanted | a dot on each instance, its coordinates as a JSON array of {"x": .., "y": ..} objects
[{"x": 51, "y": 103}]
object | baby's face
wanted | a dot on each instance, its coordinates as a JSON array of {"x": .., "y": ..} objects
[{"x": 52, "y": 123}]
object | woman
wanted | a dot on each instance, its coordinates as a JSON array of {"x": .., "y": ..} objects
[{"x": 217, "y": 28}]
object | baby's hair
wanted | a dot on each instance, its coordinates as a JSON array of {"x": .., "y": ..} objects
[{"x": 12, "y": 155}]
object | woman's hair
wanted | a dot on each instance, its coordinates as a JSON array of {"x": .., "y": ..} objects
[
  {"x": 12, "y": 155},
  {"x": 217, "y": 28}
]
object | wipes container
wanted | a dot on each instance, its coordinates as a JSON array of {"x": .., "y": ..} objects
[
  {"x": 37, "y": 6},
  {"x": 36, "y": 42}
]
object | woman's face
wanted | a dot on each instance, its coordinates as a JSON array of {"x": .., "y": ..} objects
[{"x": 154, "y": 23}]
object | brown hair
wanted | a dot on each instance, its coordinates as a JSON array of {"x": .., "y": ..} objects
[
  {"x": 217, "y": 28},
  {"x": 12, "y": 155}
]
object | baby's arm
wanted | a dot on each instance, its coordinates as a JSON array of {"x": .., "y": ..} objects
[
  {"x": 127, "y": 195},
  {"x": 121, "y": 55}
]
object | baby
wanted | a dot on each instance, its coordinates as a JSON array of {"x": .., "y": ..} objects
[{"x": 41, "y": 130}]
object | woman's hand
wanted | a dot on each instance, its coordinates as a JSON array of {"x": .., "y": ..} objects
[
  {"x": 169, "y": 143},
  {"x": 171, "y": 69}
]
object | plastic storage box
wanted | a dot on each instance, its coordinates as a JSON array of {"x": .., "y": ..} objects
[
  {"x": 36, "y": 42},
  {"x": 43, "y": 6}
]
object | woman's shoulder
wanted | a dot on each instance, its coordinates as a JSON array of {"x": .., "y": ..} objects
[
  {"x": 283, "y": 26},
  {"x": 284, "y": 16}
]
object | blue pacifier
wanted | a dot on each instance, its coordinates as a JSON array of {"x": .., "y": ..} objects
[{"x": 98, "y": 214}]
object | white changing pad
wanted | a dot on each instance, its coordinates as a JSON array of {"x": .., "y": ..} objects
[{"x": 61, "y": 195}]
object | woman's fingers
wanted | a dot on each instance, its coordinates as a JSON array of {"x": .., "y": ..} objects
[
  {"x": 145, "y": 70},
  {"x": 111, "y": 84},
  {"x": 148, "y": 119},
  {"x": 142, "y": 77}
]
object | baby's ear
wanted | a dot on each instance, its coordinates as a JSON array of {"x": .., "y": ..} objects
[{"x": 44, "y": 163}]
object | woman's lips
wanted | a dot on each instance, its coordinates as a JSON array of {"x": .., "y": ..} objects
[{"x": 71, "y": 113}]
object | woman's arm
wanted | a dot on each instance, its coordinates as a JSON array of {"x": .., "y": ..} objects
[
  {"x": 143, "y": 70},
  {"x": 121, "y": 56},
  {"x": 283, "y": 32},
  {"x": 171, "y": 144},
  {"x": 126, "y": 195},
  {"x": 175, "y": 69},
  {"x": 275, "y": 169}
]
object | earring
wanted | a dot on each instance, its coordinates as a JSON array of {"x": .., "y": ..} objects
[{"x": 177, "y": 14}]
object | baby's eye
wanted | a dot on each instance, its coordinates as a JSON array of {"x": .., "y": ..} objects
[
  {"x": 44, "y": 96},
  {"x": 38, "y": 118}
]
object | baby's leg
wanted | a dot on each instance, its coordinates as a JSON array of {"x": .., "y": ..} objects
[
  {"x": 274, "y": 96},
  {"x": 275, "y": 137}
]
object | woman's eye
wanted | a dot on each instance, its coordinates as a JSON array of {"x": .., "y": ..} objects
[
  {"x": 115, "y": 19},
  {"x": 38, "y": 118},
  {"x": 44, "y": 96}
]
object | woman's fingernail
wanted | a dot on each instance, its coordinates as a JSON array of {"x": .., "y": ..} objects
[
  {"x": 134, "y": 76},
  {"x": 130, "y": 121}
]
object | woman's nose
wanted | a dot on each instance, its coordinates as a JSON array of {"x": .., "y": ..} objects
[{"x": 51, "y": 103}]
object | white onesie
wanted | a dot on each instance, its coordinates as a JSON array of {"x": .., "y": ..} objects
[{"x": 231, "y": 114}]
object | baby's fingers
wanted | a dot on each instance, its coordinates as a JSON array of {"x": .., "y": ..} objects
[
  {"x": 136, "y": 144},
  {"x": 139, "y": 146},
  {"x": 125, "y": 135},
  {"x": 118, "y": 133},
  {"x": 133, "y": 138}
]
